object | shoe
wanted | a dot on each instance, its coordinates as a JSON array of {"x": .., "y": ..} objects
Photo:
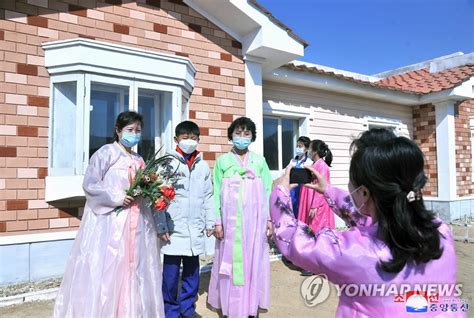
[{"x": 306, "y": 273}]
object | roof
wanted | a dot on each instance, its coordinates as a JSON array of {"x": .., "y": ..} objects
[
  {"x": 319, "y": 70},
  {"x": 413, "y": 82},
  {"x": 423, "y": 82},
  {"x": 272, "y": 18}
]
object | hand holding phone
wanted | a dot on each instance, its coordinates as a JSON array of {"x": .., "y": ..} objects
[{"x": 300, "y": 176}]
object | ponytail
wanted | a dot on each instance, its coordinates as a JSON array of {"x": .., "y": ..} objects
[
  {"x": 328, "y": 157},
  {"x": 322, "y": 149}
]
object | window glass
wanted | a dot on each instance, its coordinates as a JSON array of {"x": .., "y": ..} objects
[{"x": 63, "y": 137}]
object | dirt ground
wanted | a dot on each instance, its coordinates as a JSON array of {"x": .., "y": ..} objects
[{"x": 286, "y": 299}]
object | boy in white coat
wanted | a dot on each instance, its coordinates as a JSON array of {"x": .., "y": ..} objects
[{"x": 191, "y": 216}]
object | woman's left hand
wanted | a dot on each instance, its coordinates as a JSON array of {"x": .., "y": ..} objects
[
  {"x": 321, "y": 185},
  {"x": 269, "y": 229}
]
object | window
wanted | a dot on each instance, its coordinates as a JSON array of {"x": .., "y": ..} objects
[
  {"x": 394, "y": 125},
  {"x": 279, "y": 141},
  {"x": 393, "y": 128},
  {"x": 91, "y": 83},
  {"x": 103, "y": 99}
]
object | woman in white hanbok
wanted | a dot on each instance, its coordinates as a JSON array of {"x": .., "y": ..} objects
[{"x": 114, "y": 268}]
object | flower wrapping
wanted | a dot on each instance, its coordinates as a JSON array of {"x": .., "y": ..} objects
[{"x": 153, "y": 182}]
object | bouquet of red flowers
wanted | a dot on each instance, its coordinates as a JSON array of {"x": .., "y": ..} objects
[{"x": 153, "y": 182}]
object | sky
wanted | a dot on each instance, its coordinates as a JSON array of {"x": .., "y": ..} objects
[{"x": 372, "y": 36}]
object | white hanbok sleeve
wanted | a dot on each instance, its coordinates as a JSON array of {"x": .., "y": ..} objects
[{"x": 101, "y": 198}]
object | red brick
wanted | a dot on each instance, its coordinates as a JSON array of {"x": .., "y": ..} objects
[
  {"x": 38, "y": 224},
  {"x": 27, "y": 131},
  {"x": 7, "y": 151},
  {"x": 227, "y": 118},
  {"x": 38, "y": 21},
  {"x": 226, "y": 57},
  {"x": 3, "y": 226},
  {"x": 77, "y": 10},
  {"x": 17, "y": 204},
  {"x": 241, "y": 82},
  {"x": 86, "y": 36},
  {"x": 160, "y": 28},
  {"x": 192, "y": 114},
  {"x": 17, "y": 226},
  {"x": 42, "y": 173},
  {"x": 204, "y": 131},
  {"x": 209, "y": 156},
  {"x": 27, "y": 69},
  {"x": 120, "y": 28},
  {"x": 181, "y": 54},
  {"x": 195, "y": 27},
  {"x": 214, "y": 70},
  {"x": 2, "y": 35},
  {"x": 39, "y": 101},
  {"x": 208, "y": 92}
]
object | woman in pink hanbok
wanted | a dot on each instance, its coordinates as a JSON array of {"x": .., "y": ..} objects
[
  {"x": 395, "y": 247},
  {"x": 240, "y": 277},
  {"x": 313, "y": 208},
  {"x": 114, "y": 268}
]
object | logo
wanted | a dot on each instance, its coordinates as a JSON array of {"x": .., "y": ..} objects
[
  {"x": 315, "y": 290},
  {"x": 416, "y": 301}
]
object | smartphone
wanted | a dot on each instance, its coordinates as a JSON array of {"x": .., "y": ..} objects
[{"x": 300, "y": 176}]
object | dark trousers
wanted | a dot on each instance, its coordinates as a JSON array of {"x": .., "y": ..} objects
[{"x": 179, "y": 303}]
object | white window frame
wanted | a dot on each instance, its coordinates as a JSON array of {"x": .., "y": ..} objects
[
  {"x": 280, "y": 136},
  {"x": 377, "y": 122},
  {"x": 273, "y": 109},
  {"x": 85, "y": 62}
]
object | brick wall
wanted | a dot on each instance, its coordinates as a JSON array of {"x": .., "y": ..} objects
[
  {"x": 424, "y": 134},
  {"x": 465, "y": 186},
  {"x": 164, "y": 26}
]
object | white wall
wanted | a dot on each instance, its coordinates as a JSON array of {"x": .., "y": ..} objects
[{"x": 337, "y": 119}]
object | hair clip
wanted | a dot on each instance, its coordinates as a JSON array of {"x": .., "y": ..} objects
[{"x": 411, "y": 196}]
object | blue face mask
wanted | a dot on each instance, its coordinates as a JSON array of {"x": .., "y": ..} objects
[
  {"x": 241, "y": 143},
  {"x": 130, "y": 139}
]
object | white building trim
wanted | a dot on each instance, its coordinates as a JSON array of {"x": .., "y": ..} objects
[
  {"x": 37, "y": 237},
  {"x": 90, "y": 56},
  {"x": 259, "y": 35},
  {"x": 343, "y": 86},
  {"x": 446, "y": 150},
  {"x": 253, "y": 101}
]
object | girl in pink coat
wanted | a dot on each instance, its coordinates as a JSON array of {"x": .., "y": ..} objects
[{"x": 313, "y": 208}]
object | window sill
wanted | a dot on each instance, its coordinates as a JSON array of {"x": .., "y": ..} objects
[{"x": 59, "y": 188}]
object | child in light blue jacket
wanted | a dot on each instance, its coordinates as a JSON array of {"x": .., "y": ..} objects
[{"x": 189, "y": 218}]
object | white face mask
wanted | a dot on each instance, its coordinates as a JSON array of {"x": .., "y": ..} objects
[
  {"x": 299, "y": 151},
  {"x": 188, "y": 146},
  {"x": 357, "y": 209}
]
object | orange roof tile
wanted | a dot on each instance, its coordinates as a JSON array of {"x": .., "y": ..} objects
[
  {"x": 424, "y": 82},
  {"x": 316, "y": 70},
  {"x": 415, "y": 82}
]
